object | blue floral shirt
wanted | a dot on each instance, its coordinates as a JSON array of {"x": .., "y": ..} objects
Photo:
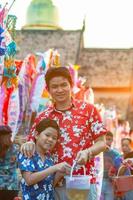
[
  {"x": 42, "y": 190},
  {"x": 8, "y": 169}
]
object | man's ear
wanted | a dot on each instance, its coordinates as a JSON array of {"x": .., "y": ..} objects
[
  {"x": 47, "y": 88},
  {"x": 36, "y": 135}
]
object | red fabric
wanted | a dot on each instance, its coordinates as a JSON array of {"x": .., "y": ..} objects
[
  {"x": 18, "y": 64},
  {"x": 5, "y": 105},
  {"x": 81, "y": 121}
]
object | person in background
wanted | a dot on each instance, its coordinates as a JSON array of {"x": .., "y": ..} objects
[
  {"x": 124, "y": 169},
  {"x": 131, "y": 137},
  {"x": 81, "y": 128},
  {"x": 127, "y": 154},
  {"x": 8, "y": 166},
  {"x": 126, "y": 146},
  {"x": 38, "y": 172},
  {"x": 112, "y": 162},
  {"x": 127, "y": 164},
  {"x": 121, "y": 131}
]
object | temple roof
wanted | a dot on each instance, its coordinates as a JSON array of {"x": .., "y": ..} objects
[{"x": 42, "y": 14}]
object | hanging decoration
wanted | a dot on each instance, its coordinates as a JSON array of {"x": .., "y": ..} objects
[
  {"x": 3, "y": 12},
  {"x": 26, "y": 77},
  {"x": 8, "y": 80}
]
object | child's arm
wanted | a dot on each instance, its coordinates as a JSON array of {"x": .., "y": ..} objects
[
  {"x": 58, "y": 177},
  {"x": 60, "y": 174},
  {"x": 32, "y": 178}
]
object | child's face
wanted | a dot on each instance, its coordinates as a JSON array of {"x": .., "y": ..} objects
[{"x": 47, "y": 139}]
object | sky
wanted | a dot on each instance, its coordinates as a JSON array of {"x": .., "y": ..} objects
[{"x": 108, "y": 23}]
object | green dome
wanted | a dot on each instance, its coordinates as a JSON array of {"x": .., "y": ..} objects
[{"x": 42, "y": 14}]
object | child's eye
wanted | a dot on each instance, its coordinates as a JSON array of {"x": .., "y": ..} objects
[
  {"x": 47, "y": 135},
  {"x": 54, "y": 138}
]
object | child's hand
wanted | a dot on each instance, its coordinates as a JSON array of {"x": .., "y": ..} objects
[{"x": 63, "y": 167}]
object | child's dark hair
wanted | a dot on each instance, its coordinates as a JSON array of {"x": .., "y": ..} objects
[
  {"x": 46, "y": 123},
  {"x": 56, "y": 72},
  {"x": 5, "y": 130},
  {"x": 5, "y": 139}
]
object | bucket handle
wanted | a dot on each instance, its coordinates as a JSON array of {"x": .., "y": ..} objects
[{"x": 72, "y": 169}]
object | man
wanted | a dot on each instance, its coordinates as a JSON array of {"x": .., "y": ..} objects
[
  {"x": 81, "y": 128},
  {"x": 112, "y": 162}
]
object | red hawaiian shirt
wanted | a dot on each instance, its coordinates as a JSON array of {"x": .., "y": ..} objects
[{"x": 79, "y": 126}]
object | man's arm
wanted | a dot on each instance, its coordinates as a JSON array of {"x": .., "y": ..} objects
[
  {"x": 98, "y": 131},
  {"x": 28, "y": 149},
  {"x": 98, "y": 147}
]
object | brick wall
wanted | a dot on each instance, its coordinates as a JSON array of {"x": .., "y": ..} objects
[{"x": 108, "y": 71}]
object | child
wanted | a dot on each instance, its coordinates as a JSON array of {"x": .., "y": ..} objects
[
  {"x": 38, "y": 172},
  {"x": 8, "y": 165}
]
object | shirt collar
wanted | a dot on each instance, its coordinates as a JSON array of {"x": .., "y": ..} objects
[{"x": 73, "y": 106}]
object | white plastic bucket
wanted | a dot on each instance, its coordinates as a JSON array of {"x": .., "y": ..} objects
[{"x": 80, "y": 182}]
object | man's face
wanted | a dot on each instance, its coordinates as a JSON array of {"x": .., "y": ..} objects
[
  {"x": 60, "y": 89},
  {"x": 109, "y": 140}
]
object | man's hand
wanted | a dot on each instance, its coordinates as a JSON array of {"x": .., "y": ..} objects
[
  {"x": 83, "y": 156},
  {"x": 28, "y": 149}
]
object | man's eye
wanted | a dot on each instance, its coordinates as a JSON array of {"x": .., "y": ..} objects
[
  {"x": 64, "y": 84},
  {"x": 54, "y": 86}
]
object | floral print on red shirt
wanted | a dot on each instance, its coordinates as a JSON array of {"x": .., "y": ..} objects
[{"x": 79, "y": 126}]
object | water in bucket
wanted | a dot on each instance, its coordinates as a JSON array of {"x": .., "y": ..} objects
[
  {"x": 78, "y": 186},
  {"x": 76, "y": 194}
]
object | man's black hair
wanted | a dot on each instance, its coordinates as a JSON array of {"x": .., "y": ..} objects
[
  {"x": 56, "y": 72},
  {"x": 109, "y": 133}
]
